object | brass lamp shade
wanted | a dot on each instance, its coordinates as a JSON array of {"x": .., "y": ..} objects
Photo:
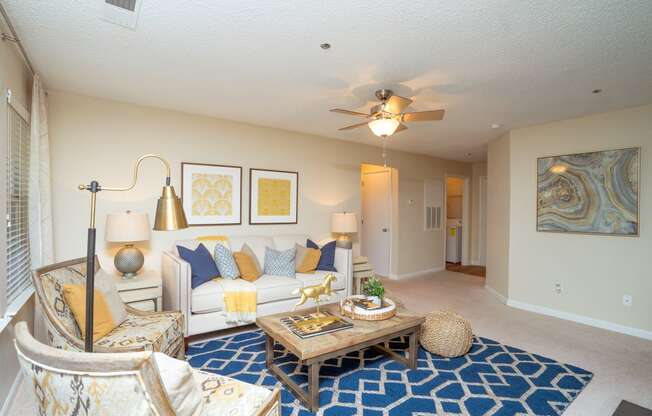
[{"x": 169, "y": 212}]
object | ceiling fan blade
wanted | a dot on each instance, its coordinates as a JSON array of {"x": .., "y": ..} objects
[
  {"x": 348, "y": 112},
  {"x": 400, "y": 128},
  {"x": 354, "y": 126},
  {"x": 424, "y": 115},
  {"x": 395, "y": 104}
]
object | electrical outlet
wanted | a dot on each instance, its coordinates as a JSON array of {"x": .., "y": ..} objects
[
  {"x": 627, "y": 300},
  {"x": 558, "y": 288}
]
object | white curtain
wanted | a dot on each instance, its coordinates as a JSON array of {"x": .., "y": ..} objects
[
  {"x": 40, "y": 195},
  {"x": 40, "y": 202}
]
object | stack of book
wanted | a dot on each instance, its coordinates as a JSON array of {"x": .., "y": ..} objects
[{"x": 362, "y": 270}]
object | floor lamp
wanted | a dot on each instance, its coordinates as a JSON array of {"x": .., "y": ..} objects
[{"x": 169, "y": 217}]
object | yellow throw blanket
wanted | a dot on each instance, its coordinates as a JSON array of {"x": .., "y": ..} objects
[{"x": 239, "y": 300}]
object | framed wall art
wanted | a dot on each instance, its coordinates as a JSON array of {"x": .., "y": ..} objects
[
  {"x": 211, "y": 194},
  {"x": 273, "y": 196},
  {"x": 589, "y": 193}
]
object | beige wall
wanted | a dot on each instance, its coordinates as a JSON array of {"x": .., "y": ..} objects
[
  {"x": 478, "y": 256},
  {"x": 99, "y": 139},
  {"x": 595, "y": 271},
  {"x": 15, "y": 75},
  {"x": 498, "y": 211}
]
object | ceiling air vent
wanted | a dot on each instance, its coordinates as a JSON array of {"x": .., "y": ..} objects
[
  {"x": 121, "y": 12},
  {"x": 123, "y": 4}
]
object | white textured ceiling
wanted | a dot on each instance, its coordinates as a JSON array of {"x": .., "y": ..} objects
[{"x": 516, "y": 62}]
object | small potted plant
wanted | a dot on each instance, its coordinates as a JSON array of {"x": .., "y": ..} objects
[{"x": 374, "y": 290}]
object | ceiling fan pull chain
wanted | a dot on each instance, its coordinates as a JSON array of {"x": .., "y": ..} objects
[{"x": 384, "y": 141}]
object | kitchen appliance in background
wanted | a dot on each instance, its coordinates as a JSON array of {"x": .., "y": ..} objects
[{"x": 454, "y": 240}]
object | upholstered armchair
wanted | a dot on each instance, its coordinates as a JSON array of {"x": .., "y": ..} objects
[
  {"x": 141, "y": 331},
  {"x": 74, "y": 383}
]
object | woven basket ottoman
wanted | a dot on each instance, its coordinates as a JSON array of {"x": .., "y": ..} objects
[{"x": 447, "y": 334}]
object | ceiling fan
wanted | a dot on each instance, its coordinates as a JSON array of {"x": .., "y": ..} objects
[{"x": 387, "y": 118}]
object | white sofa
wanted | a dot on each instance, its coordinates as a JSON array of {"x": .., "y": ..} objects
[{"x": 203, "y": 307}]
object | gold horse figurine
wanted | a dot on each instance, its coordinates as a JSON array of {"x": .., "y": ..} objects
[{"x": 315, "y": 292}]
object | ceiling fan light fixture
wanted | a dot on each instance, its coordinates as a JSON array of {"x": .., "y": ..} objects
[{"x": 382, "y": 127}]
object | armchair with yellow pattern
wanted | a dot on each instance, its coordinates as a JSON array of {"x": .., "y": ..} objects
[
  {"x": 78, "y": 383},
  {"x": 141, "y": 331}
]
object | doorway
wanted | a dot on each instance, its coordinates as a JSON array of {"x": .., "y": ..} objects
[
  {"x": 376, "y": 231},
  {"x": 457, "y": 221}
]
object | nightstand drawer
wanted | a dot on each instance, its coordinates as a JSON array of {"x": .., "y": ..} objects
[
  {"x": 144, "y": 305},
  {"x": 136, "y": 295},
  {"x": 144, "y": 291}
]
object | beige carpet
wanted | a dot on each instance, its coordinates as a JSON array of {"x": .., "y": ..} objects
[{"x": 622, "y": 364}]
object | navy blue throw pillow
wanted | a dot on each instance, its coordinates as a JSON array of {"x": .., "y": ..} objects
[
  {"x": 202, "y": 265},
  {"x": 327, "y": 259}
]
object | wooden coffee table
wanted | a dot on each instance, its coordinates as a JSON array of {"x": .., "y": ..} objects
[{"x": 312, "y": 352}]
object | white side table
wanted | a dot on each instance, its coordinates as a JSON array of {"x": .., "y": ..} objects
[{"x": 144, "y": 292}]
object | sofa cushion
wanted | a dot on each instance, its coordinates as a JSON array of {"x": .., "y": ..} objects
[
  {"x": 161, "y": 331},
  {"x": 248, "y": 251},
  {"x": 317, "y": 277},
  {"x": 75, "y": 296},
  {"x": 226, "y": 263},
  {"x": 227, "y": 396},
  {"x": 274, "y": 288},
  {"x": 189, "y": 244},
  {"x": 279, "y": 263},
  {"x": 327, "y": 259},
  {"x": 180, "y": 385},
  {"x": 208, "y": 297},
  {"x": 256, "y": 243},
  {"x": 249, "y": 270},
  {"x": 202, "y": 264},
  {"x": 307, "y": 259},
  {"x": 284, "y": 242}
]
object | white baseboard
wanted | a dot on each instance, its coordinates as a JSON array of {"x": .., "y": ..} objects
[
  {"x": 476, "y": 262},
  {"x": 11, "y": 396},
  {"x": 598, "y": 323},
  {"x": 502, "y": 299},
  {"x": 404, "y": 276}
]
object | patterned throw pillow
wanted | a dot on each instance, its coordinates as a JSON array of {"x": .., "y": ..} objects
[
  {"x": 327, "y": 259},
  {"x": 280, "y": 263},
  {"x": 226, "y": 263}
]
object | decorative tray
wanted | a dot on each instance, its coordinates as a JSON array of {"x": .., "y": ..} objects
[{"x": 349, "y": 308}]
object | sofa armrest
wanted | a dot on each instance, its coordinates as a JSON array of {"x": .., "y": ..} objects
[
  {"x": 176, "y": 277},
  {"x": 344, "y": 265}
]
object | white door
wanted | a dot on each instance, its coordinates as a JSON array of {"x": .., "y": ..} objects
[
  {"x": 482, "y": 234},
  {"x": 376, "y": 218}
]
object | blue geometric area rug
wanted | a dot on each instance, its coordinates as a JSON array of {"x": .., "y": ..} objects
[{"x": 492, "y": 379}]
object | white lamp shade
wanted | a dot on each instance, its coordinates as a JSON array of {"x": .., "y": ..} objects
[
  {"x": 383, "y": 126},
  {"x": 344, "y": 223},
  {"x": 127, "y": 227}
]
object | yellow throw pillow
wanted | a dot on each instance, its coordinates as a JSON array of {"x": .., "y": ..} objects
[
  {"x": 75, "y": 296},
  {"x": 310, "y": 261},
  {"x": 247, "y": 266}
]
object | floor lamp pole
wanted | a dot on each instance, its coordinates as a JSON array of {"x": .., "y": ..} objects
[
  {"x": 94, "y": 188},
  {"x": 169, "y": 217}
]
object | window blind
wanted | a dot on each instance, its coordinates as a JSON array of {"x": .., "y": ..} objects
[{"x": 18, "y": 256}]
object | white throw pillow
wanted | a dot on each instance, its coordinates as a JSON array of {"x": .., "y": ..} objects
[
  {"x": 179, "y": 385},
  {"x": 105, "y": 283}
]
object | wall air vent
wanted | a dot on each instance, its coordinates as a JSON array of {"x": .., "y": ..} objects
[
  {"x": 121, "y": 12},
  {"x": 433, "y": 201}
]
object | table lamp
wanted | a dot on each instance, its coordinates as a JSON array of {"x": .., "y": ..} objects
[
  {"x": 169, "y": 217},
  {"x": 344, "y": 223},
  {"x": 128, "y": 227}
]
